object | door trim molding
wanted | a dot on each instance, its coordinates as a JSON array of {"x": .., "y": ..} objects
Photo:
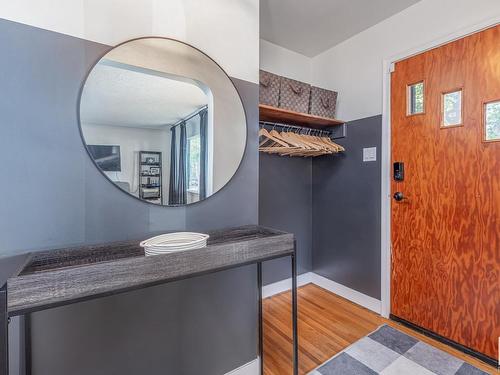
[{"x": 387, "y": 68}]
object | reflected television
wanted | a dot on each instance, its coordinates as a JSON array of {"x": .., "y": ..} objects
[{"x": 106, "y": 157}]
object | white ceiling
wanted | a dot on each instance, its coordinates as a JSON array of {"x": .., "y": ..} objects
[
  {"x": 123, "y": 97},
  {"x": 310, "y": 27}
]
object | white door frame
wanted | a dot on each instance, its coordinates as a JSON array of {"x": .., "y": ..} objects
[{"x": 388, "y": 64}]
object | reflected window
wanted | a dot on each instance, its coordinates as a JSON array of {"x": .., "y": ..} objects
[
  {"x": 188, "y": 159},
  {"x": 492, "y": 121},
  {"x": 193, "y": 158},
  {"x": 415, "y": 98},
  {"x": 452, "y": 108}
]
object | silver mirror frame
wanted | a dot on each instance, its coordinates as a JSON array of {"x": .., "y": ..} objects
[{"x": 78, "y": 107}]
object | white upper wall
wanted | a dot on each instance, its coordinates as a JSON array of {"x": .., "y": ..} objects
[
  {"x": 226, "y": 30},
  {"x": 282, "y": 61},
  {"x": 354, "y": 67}
]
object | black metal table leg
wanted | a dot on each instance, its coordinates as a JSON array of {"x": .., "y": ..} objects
[
  {"x": 294, "y": 314},
  {"x": 261, "y": 334},
  {"x": 27, "y": 344},
  {"x": 4, "y": 332}
]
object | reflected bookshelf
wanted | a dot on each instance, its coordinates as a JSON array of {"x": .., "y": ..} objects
[{"x": 150, "y": 176}]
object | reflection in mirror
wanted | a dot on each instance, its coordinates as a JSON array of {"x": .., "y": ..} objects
[{"x": 163, "y": 121}]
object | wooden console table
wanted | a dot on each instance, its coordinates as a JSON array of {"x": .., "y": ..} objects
[{"x": 43, "y": 280}]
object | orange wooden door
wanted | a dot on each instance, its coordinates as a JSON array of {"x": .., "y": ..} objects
[{"x": 446, "y": 234}]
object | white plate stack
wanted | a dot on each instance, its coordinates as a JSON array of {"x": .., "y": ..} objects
[{"x": 173, "y": 242}]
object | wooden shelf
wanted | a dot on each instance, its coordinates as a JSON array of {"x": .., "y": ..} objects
[{"x": 284, "y": 116}]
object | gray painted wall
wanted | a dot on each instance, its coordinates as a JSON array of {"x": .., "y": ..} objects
[
  {"x": 332, "y": 204},
  {"x": 285, "y": 200},
  {"x": 53, "y": 196},
  {"x": 346, "y": 211}
]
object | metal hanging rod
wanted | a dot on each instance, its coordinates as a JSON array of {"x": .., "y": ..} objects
[
  {"x": 189, "y": 117},
  {"x": 328, "y": 133},
  {"x": 300, "y": 128}
]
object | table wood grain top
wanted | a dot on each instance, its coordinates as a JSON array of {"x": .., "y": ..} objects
[{"x": 63, "y": 276}]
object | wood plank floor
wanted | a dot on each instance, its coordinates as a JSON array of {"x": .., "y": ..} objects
[{"x": 327, "y": 324}]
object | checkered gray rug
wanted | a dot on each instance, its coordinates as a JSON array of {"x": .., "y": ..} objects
[{"x": 388, "y": 351}]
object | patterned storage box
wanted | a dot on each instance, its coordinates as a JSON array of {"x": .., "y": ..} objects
[
  {"x": 269, "y": 88},
  {"x": 294, "y": 95},
  {"x": 323, "y": 102}
]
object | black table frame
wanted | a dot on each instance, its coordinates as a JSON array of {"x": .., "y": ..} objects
[{"x": 5, "y": 316}]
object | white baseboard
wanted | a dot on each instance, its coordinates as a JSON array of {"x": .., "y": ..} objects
[
  {"x": 339, "y": 289},
  {"x": 250, "y": 368},
  {"x": 284, "y": 285},
  {"x": 348, "y": 293}
]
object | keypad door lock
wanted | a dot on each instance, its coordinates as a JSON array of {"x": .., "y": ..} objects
[{"x": 399, "y": 171}]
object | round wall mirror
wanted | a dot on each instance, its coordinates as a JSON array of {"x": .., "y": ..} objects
[{"x": 162, "y": 121}]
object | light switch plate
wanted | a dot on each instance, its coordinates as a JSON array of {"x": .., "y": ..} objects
[{"x": 369, "y": 154}]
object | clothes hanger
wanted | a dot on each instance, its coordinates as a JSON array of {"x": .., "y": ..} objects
[
  {"x": 316, "y": 141},
  {"x": 274, "y": 143},
  {"x": 311, "y": 147},
  {"x": 297, "y": 149},
  {"x": 293, "y": 141},
  {"x": 270, "y": 138},
  {"x": 307, "y": 140},
  {"x": 319, "y": 141},
  {"x": 307, "y": 147},
  {"x": 287, "y": 136},
  {"x": 327, "y": 142},
  {"x": 307, "y": 137},
  {"x": 337, "y": 146}
]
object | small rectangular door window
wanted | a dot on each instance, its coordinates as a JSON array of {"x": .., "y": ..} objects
[
  {"x": 415, "y": 98},
  {"x": 492, "y": 121},
  {"x": 451, "y": 107}
]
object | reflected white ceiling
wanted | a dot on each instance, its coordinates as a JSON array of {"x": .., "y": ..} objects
[
  {"x": 122, "y": 97},
  {"x": 310, "y": 27}
]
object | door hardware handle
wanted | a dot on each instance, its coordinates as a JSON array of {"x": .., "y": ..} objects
[{"x": 398, "y": 196}]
